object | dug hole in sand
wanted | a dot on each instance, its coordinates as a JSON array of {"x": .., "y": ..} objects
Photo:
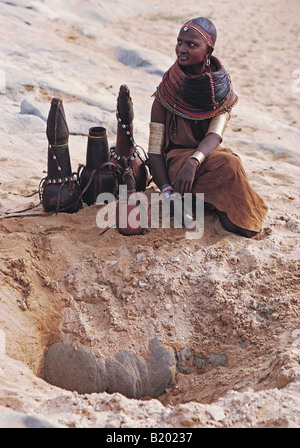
[
  {"x": 219, "y": 330},
  {"x": 164, "y": 331}
]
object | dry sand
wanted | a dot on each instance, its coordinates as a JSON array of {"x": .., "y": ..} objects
[{"x": 63, "y": 280}]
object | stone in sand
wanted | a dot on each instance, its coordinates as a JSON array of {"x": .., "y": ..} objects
[{"x": 77, "y": 370}]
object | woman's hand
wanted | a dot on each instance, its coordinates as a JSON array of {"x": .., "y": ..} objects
[{"x": 186, "y": 176}]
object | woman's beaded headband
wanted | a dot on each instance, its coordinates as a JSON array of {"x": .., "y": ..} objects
[{"x": 200, "y": 31}]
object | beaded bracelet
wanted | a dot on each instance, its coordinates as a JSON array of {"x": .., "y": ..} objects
[{"x": 166, "y": 188}]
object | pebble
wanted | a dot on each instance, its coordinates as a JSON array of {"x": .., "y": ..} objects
[
  {"x": 22, "y": 304},
  {"x": 186, "y": 421},
  {"x": 140, "y": 257},
  {"x": 282, "y": 218},
  {"x": 218, "y": 360},
  {"x": 182, "y": 357},
  {"x": 216, "y": 413},
  {"x": 233, "y": 260},
  {"x": 294, "y": 225},
  {"x": 111, "y": 262},
  {"x": 253, "y": 304},
  {"x": 213, "y": 359},
  {"x": 142, "y": 284},
  {"x": 213, "y": 254}
]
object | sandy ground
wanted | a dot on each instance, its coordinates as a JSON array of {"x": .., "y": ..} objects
[{"x": 62, "y": 279}]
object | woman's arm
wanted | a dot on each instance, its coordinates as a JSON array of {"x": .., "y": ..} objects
[
  {"x": 157, "y": 161},
  {"x": 209, "y": 144},
  {"x": 186, "y": 176},
  {"x": 214, "y": 136},
  {"x": 158, "y": 113}
]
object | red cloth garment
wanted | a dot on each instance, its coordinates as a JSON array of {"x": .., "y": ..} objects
[{"x": 221, "y": 177}]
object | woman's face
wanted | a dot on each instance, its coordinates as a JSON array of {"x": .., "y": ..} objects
[{"x": 191, "y": 51}]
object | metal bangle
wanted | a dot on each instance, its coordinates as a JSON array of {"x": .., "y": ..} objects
[
  {"x": 156, "y": 138},
  {"x": 198, "y": 155},
  {"x": 218, "y": 124}
]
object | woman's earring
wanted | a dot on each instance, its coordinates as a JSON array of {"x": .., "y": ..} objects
[{"x": 207, "y": 63}]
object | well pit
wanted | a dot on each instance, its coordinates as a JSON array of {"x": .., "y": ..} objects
[{"x": 220, "y": 317}]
